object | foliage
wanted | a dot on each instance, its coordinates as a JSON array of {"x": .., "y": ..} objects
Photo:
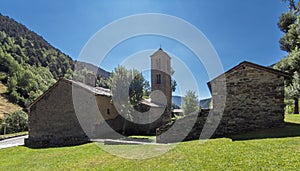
[
  {"x": 292, "y": 5},
  {"x": 191, "y": 103},
  {"x": 293, "y": 89},
  {"x": 28, "y": 47},
  {"x": 122, "y": 79},
  {"x": 285, "y": 20},
  {"x": 290, "y": 39},
  {"x": 128, "y": 86},
  {"x": 173, "y": 85},
  {"x": 102, "y": 82},
  {"x": 175, "y": 106},
  {"x": 29, "y": 65},
  {"x": 289, "y": 106},
  {"x": 289, "y": 23},
  {"x": 17, "y": 122}
]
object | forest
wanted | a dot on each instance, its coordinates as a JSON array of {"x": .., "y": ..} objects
[{"x": 29, "y": 65}]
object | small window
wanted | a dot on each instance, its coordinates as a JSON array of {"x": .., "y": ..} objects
[
  {"x": 108, "y": 111},
  {"x": 158, "y": 79}
]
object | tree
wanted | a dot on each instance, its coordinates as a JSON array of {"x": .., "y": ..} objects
[
  {"x": 173, "y": 85},
  {"x": 290, "y": 39},
  {"x": 289, "y": 23},
  {"x": 285, "y": 20},
  {"x": 292, "y": 5},
  {"x": 173, "y": 81},
  {"x": 191, "y": 103},
  {"x": 293, "y": 90},
  {"x": 122, "y": 81}
]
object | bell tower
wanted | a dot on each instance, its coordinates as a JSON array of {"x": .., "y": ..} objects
[{"x": 161, "y": 80}]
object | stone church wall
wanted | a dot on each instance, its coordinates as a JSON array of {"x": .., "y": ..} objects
[
  {"x": 52, "y": 120},
  {"x": 254, "y": 100}
]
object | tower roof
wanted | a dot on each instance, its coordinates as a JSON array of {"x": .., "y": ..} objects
[{"x": 160, "y": 52}]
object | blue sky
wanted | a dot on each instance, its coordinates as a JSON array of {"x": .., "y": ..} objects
[{"x": 238, "y": 30}]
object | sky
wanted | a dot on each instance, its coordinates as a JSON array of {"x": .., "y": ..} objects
[{"x": 237, "y": 31}]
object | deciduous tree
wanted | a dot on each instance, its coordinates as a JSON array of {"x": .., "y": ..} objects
[{"x": 190, "y": 103}]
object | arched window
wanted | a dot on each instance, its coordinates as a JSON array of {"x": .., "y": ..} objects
[{"x": 108, "y": 111}]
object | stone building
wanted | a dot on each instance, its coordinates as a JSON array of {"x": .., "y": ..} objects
[
  {"x": 161, "y": 81},
  {"x": 254, "y": 98},
  {"x": 246, "y": 97},
  {"x": 53, "y": 120},
  {"x": 71, "y": 112}
]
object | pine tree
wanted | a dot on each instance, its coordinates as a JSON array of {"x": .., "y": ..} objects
[{"x": 289, "y": 24}]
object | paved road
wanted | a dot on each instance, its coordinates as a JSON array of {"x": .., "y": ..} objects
[{"x": 12, "y": 142}]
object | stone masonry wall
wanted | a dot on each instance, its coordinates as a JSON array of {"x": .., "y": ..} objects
[
  {"x": 254, "y": 100},
  {"x": 52, "y": 120}
]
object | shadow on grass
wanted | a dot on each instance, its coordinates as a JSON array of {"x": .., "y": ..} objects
[{"x": 288, "y": 130}]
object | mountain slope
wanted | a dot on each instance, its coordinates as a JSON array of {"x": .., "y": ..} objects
[
  {"x": 28, "y": 47},
  {"x": 29, "y": 65}
]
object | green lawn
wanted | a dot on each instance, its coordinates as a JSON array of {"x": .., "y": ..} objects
[
  {"x": 214, "y": 154},
  {"x": 295, "y": 118}
]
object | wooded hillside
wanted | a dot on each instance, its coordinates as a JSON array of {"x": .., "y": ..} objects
[{"x": 29, "y": 64}]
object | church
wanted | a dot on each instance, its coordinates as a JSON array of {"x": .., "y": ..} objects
[{"x": 71, "y": 112}]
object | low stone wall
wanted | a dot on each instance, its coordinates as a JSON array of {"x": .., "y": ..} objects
[
  {"x": 215, "y": 126},
  {"x": 183, "y": 129},
  {"x": 119, "y": 127}
]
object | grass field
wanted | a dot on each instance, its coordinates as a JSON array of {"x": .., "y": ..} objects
[
  {"x": 294, "y": 118},
  {"x": 256, "y": 153}
]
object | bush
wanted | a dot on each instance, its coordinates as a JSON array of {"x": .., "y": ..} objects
[{"x": 17, "y": 122}]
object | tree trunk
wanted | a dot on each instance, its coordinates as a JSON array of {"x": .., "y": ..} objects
[{"x": 296, "y": 106}]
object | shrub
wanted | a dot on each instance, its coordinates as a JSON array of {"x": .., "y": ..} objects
[
  {"x": 289, "y": 106},
  {"x": 17, "y": 122}
]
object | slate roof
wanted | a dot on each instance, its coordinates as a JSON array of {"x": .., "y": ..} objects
[
  {"x": 96, "y": 90},
  {"x": 260, "y": 67}
]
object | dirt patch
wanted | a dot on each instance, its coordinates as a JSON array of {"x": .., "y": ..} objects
[{"x": 6, "y": 106}]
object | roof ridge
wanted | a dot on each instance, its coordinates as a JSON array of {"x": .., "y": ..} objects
[{"x": 268, "y": 69}]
